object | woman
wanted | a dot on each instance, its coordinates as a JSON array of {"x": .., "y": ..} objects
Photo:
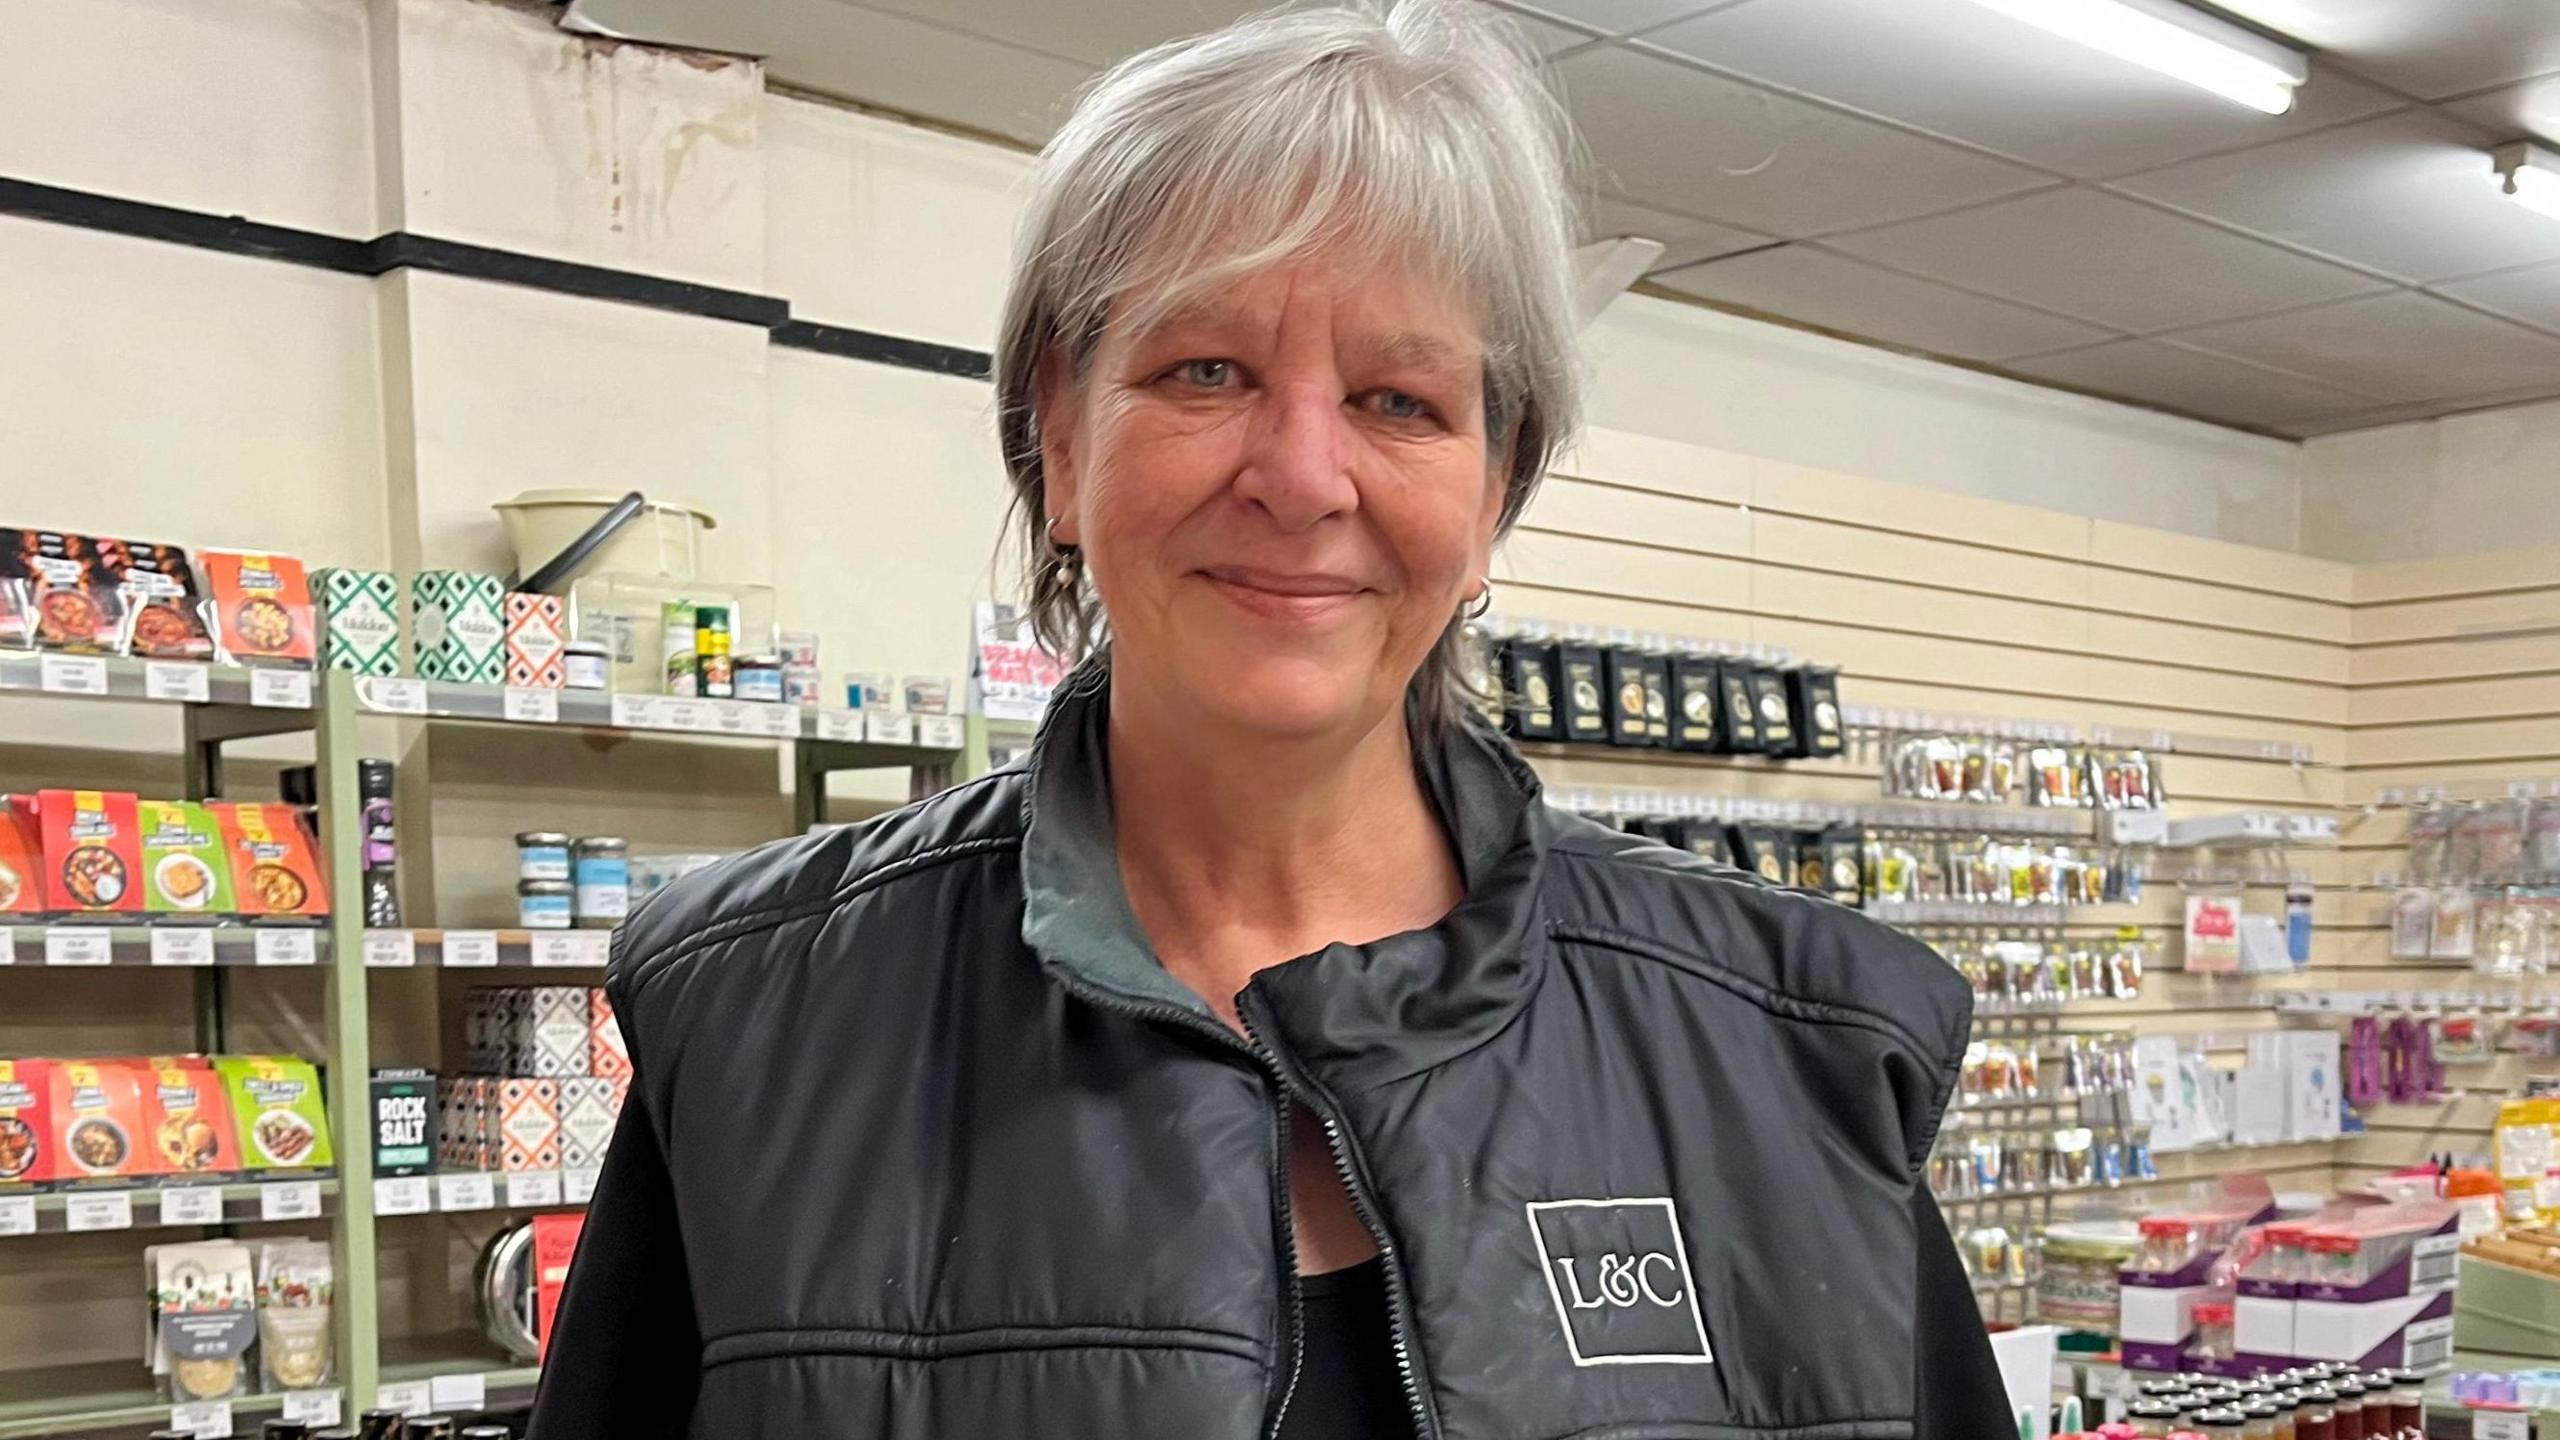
[{"x": 1264, "y": 1058}]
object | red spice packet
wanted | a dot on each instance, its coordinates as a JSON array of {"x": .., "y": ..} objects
[
  {"x": 261, "y": 607},
  {"x": 92, "y": 851}
]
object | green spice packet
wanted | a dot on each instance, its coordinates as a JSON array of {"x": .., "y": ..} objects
[
  {"x": 184, "y": 871},
  {"x": 276, "y": 1101}
]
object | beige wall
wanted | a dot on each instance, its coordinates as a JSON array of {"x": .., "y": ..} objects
[{"x": 2460, "y": 485}]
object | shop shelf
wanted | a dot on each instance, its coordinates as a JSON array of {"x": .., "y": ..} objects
[
  {"x": 460, "y": 1356},
  {"x": 1965, "y": 912},
  {"x": 893, "y": 738},
  {"x": 147, "y": 1206},
  {"x": 116, "y": 677},
  {"x": 455, "y": 1192},
  {"x": 98, "y": 1400},
  {"x": 484, "y": 949},
  {"x": 77, "y": 944}
]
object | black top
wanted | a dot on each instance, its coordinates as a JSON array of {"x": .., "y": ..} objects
[{"x": 1348, "y": 1388}]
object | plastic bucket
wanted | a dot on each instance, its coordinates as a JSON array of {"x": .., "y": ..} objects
[{"x": 663, "y": 539}]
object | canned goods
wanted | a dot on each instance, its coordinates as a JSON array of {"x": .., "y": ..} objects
[
  {"x": 542, "y": 904},
  {"x": 542, "y": 855},
  {"x": 601, "y": 880}
]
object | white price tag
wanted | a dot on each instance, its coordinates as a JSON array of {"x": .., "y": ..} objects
[
  {"x": 176, "y": 680},
  {"x": 633, "y": 712},
  {"x": 78, "y": 945},
  {"x": 390, "y": 949},
  {"x": 2501, "y": 1425},
  {"x": 178, "y": 945},
  {"x": 393, "y": 694},
  {"x": 8, "y": 946},
  {"x": 108, "y": 1210},
  {"x": 280, "y": 689},
  {"x": 409, "y": 1397},
  {"x": 533, "y": 705},
  {"x": 941, "y": 732},
  {"x": 71, "y": 674},
  {"x": 466, "y": 1192},
  {"x": 840, "y": 725},
  {"x": 467, "y": 1393},
  {"x": 779, "y": 722},
  {"x": 401, "y": 1195},
  {"x": 317, "y": 1408},
  {"x": 18, "y": 1215},
  {"x": 577, "y": 947},
  {"x": 694, "y": 715},
  {"x": 291, "y": 1200},
  {"x": 286, "y": 947},
  {"x": 470, "y": 949},
  {"x": 732, "y": 717},
  {"x": 205, "y": 1419},
  {"x": 889, "y": 727},
  {"x": 577, "y": 1187},
  {"x": 533, "y": 1189},
  {"x": 191, "y": 1205}
]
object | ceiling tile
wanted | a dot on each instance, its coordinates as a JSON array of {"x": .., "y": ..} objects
[
  {"x": 1672, "y": 136},
  {"x": 2157, "y": 374},
  {"x": 1547, "y": 36},
  {"x": 2023, "y": 92},
  {"x": 2531, "y": 294},
  {"x": 2105, "y": 259},
  {"x": 2516, "y": 111},
  {"x": 2411, "y": 193},
  {"x": 1096, "y": 35},
  {"x": 1685, "y": 241},
  {"x": 1618, "y": 17},
  {"x": 2399, "y": 346},
  {"x": 2429, "y": 48},
  {"x": 1815, "y": 287},
  {"x": 2416, "y": 410}
]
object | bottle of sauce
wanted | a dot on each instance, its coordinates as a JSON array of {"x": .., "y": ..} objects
[
  {"x": 2221, "y": 1423},
  {"x": 2409, "y": 1405},
  {"x": 2350, "y": 1393},
  {"x": 2318, "y": 1417},
  {"x": 2261, "y": 1417}
]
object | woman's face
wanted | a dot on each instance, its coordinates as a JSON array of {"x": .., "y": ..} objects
[{"x": 1283, "y": 494}]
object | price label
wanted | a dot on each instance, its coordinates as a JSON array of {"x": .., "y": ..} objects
[
  {"x": 467, "y": 1393},
  {"x": 390, "y": 949},
  {"x": 286, "y": 947},
  {"x": 280, "y": 689},
  {"x": 317, "y": 1408},
  {"x": 108, "y": 1210},
  {"x": 466, "y": 1192},
  {"x": 844, "y": 725},
  {"x": 401, "y": 1195},
  {"x": 2501, "y": 1425},
  {"x": 532, "y": 704},
  {"x": 18, "y": 1215},
  {"x": 470, "y": 949},
  {"x": 191, "y": 1205},
  {"x": 778, "y": 722},
  {"x": 176, "y": 680},
  {"x": 940, "y": 732},
  {"x": 79, "y": 945},
  {"x": 408, "y": 1397},
  {"x": 573, "y": 949},
  {"x": 292, "y": 1200},
  {"x": 577, "y": 1187},
  {"x": 205, "y": 1419},
  {"x": 633, "y": 712},
  {"x": 393, "y": 695},
  {"x": 693, "y": 715},
  {"x": 71, "y": 674},
  {"x": 174, "y": 945},
  {"x": 733, "y": 717},
  {"x": 533, "y": 1189},
  {"x": 889, "y": 727},
  {"x": 8, "y": 946}
]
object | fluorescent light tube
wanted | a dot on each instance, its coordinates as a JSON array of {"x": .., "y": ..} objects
[
  {"x": 2533, "y": 176},
  {"x": 2180, "y": 42}
]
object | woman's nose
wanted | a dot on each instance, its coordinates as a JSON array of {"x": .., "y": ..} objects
[{"x": 1297, "y": 464}]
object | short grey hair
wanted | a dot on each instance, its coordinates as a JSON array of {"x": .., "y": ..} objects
[{"x": 1422, "y": 131}]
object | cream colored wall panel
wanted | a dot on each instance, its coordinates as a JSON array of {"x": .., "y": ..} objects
[
  {"x": 2168, "y": 596},
  {"x": 2460, "y": 617},
  {"x": 1796, "y": 541},
  {"x": 2380, "y": 585},
  {"x": 1921, "y": 659},
  {"x": 2218, "y": 561},
  {"x": 1889, "y": 605},
  {"x": 1516, "y": 600},
  {"x": 2139, "y": 638},
  {"x": 1598, "y": 769},
  {"x": 1916, "y": 510},
  {"x": 2513, "y": 698},
  {"x": 882, "y": 226},
  {"x": 1604, "y": 567},
  {"x": 2441, "y": 741},
  {"x": 519, "y": 389},
  {"x": 1610, "y": 512},
  {"x": 2475, "y": 779},
  {"x": 1628, "y": 458},
  {"x": 2483, "y": 657},
  {"x": 518, "y": 134},
  {"x": 2328, "y": 742},
  {"x": 2213, "y": 692},
  {"x": 243, "y": 107}
]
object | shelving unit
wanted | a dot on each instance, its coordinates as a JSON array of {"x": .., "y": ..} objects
[{"x": 221, "y": 706}]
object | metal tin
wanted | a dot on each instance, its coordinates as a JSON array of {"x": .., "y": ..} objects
[{"x": 543, "y": 904}]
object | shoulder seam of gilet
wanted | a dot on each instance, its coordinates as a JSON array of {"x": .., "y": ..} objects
[
  {"x": 773, "y": 917},
  {"x": 1776, "y": 1001}
]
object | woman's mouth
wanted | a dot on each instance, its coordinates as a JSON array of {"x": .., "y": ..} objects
[{"x": 1297, "y": 595}]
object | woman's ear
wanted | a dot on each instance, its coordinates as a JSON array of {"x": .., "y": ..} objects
[{"x": 1053, "y": 397}]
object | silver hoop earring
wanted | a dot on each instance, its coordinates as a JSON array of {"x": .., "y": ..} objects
[
  {"x": 1482, "y": 605},
  {"x": 1063, "y": 559}
]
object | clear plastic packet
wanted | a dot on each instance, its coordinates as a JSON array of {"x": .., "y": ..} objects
[
  {"x": 2413, "y": 922},
  {"x": 297, "y": 1288},
  {"x": 2430, "y": 828}
]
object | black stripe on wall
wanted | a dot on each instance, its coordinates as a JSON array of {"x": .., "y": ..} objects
[{"x": 400, "y": 250}]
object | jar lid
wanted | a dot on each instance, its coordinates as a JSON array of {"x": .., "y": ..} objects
[
  {"x": 532, "y": 838},
  {"x": 2261, "y": 1409},
  {"x": 592, "y": 844},
  {"x": 545, "y": 887},
  {"x": 587, "y": 647},
  {"x": 2152, "y": 1410}
]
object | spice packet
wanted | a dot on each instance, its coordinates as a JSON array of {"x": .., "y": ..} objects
[
  {"x": 297, "y": 1285},
  {"x": 204, "y": 1313},
  {"x": 97, "y": 1122},
  {"x": 92, "y": 851},
  {"x": 26, "y": 1122},
  {"x": 183, "y": 868},
  {"x": 283, "y": 1123},
  {"x": 261, "y": 608},
  {"x": 273, "y": 868},
  {"x": 188, "y": 1117}
]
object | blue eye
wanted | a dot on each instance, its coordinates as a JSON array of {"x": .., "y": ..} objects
[
  {"x": 1397, "y": 405},
  {"x": 1207, "y": 374}
]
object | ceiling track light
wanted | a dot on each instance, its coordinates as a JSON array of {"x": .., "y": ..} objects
[
  {"x": 2177, "y": 40},
  {"x": 2532, "y": 176}
]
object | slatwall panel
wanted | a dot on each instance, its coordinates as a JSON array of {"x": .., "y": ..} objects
[
  {"x": 2453, "y": 680},
  {"x": 1966, "y": 606}
]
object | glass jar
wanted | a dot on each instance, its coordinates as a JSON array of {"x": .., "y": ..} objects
[
  {"x": 2153, "y": 1419},
  {"x": 2288, "y": 1405},
  {"x": 2350, "y": 1393},
  {"x": 2221, "y": 1423},
  {"x": 2261, "y": 1417},
  {"x": 2409, "y": 1405},
  {"x": 2318, "y": 1417}
]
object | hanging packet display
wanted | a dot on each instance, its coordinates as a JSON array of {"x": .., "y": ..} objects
[
  {"x": 92, "y": 843},
  {"x": 261, "y": 608}
]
